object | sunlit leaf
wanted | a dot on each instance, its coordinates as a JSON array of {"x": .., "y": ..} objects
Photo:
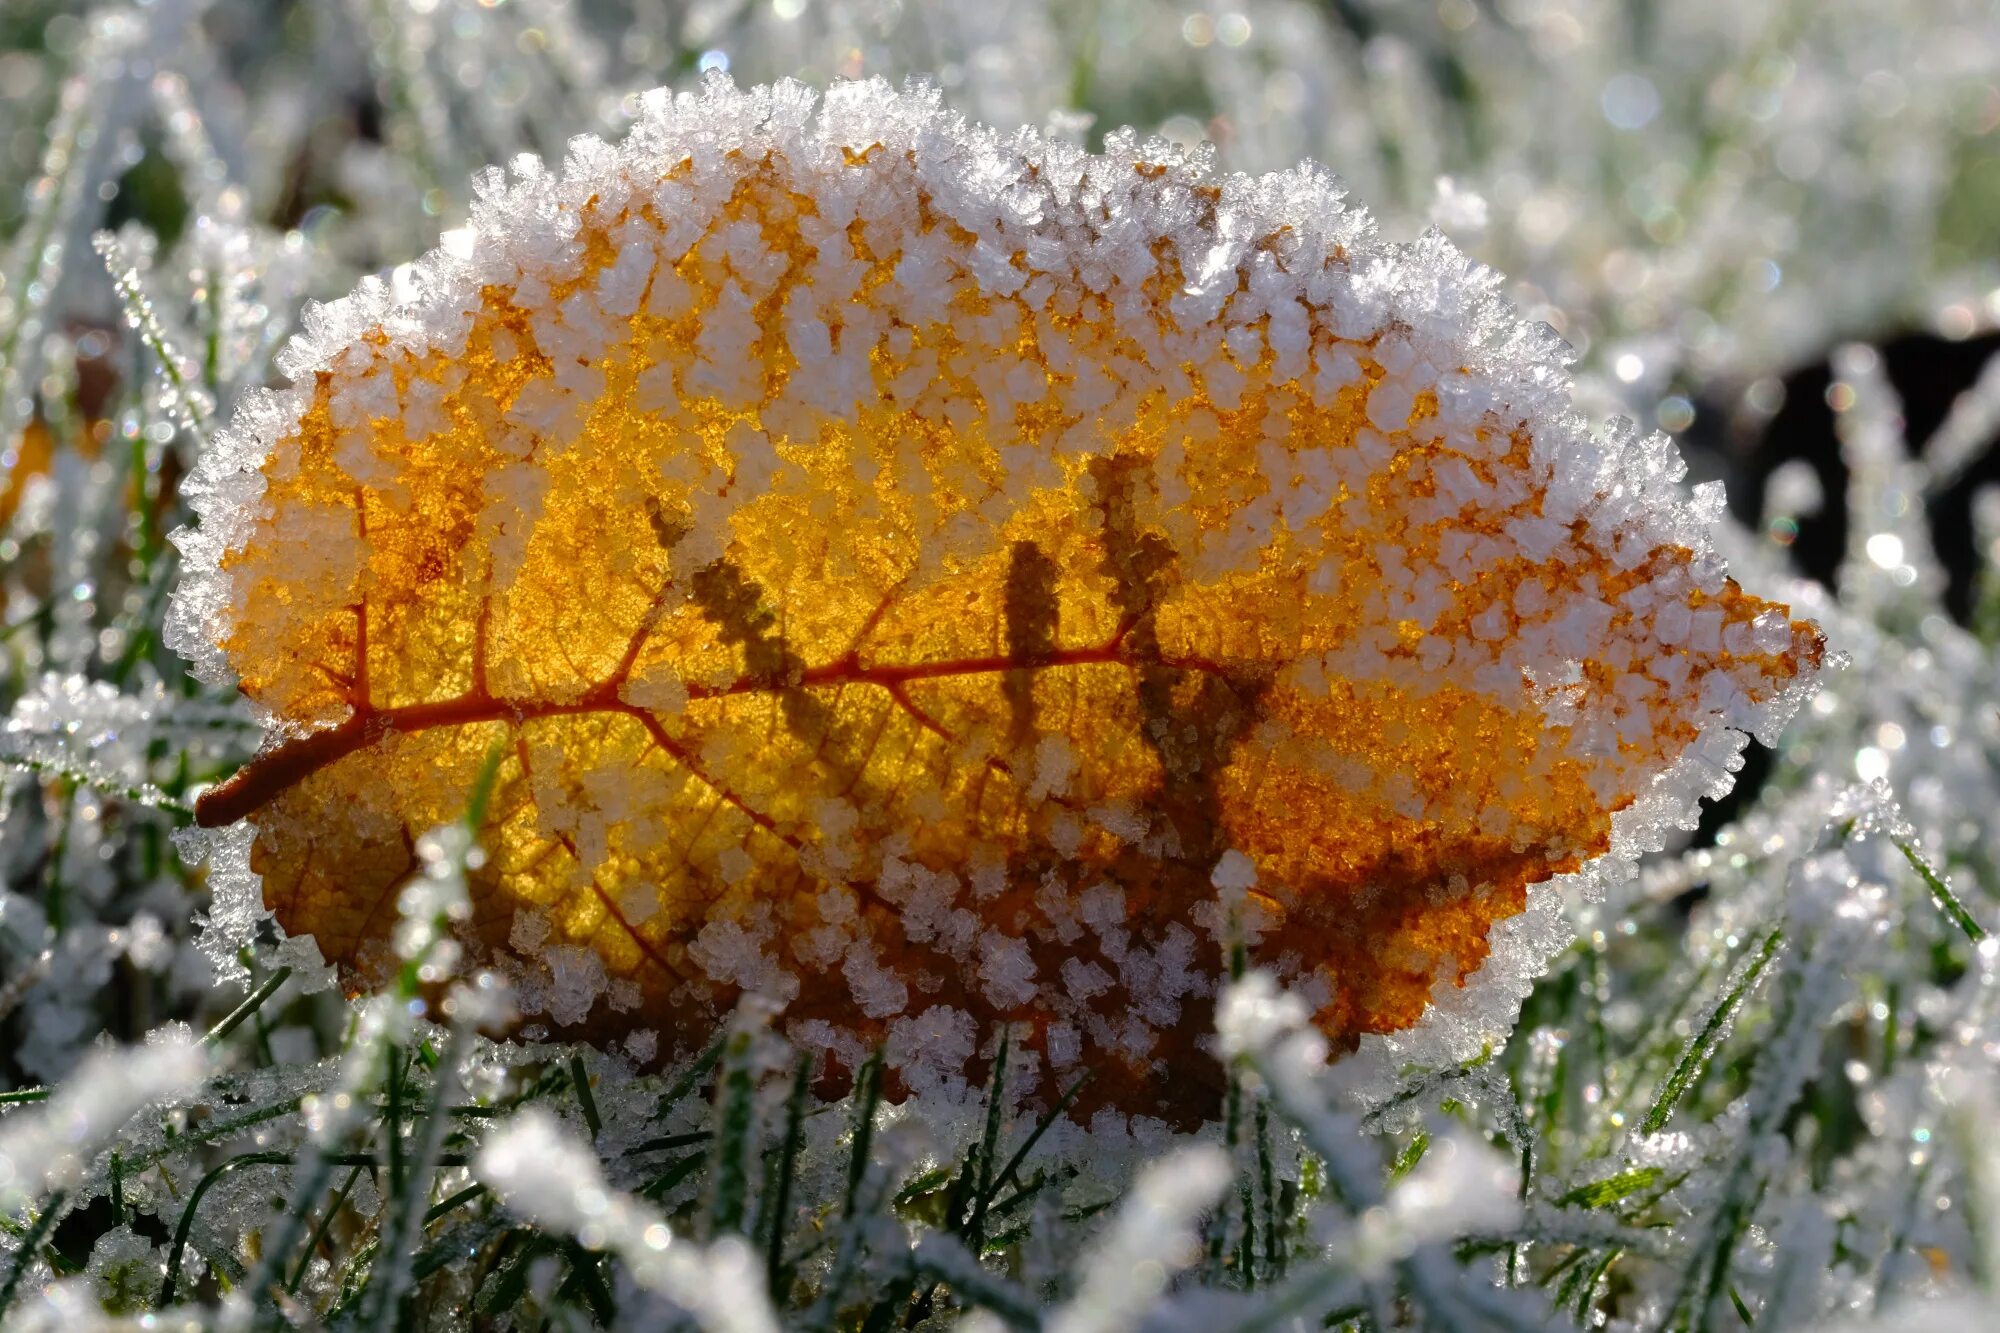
[{"x": 924, "y": 577}]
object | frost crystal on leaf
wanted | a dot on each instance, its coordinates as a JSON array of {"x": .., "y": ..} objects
[{"x": 932, "y": 577}]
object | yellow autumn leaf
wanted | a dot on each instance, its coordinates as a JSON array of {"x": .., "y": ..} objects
[{"x": 932, "y": 579}]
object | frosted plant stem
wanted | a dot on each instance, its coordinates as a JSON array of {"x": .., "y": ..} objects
[
  {"x": 24, "y": 1258},
  {"x": 734, "y": 1115},
  {"x": 1153, "y": 1236},
  {"x": 252, "y": 1004},
  {"x": 1275, "y": 1252},
  {"x": 941, "y": 1259},
  {"x": 12, "y": 990},
  {"x": 37, "y": 256},
  {"x": 1008, "y": 1175},
  {"x": 1271, "y": 1032},
  {"x": 989, "y": 1144},
  {"x": 193, "y": 152},
  {"x": 1218, "y": 1220},
  {"x": 169, "y": 1286},
  {"x": 867, "y": 1096},
  {"x": 1328, "y": 1287},
  {"x": 90, "y": 775},
  {"x": 542, "y": 1173},
  {"x": 1899, "y": 1239},
  {"x": 406, "y": 1222},
  {"x": 1351, "y": 1185},
  {"x": 312, "y": 1176},
  {"x": 55, "y": 1144},
  {"x": 1714, "y": 1028},
  {"x": 1652, "y": 1055},
  {"x": 847, "y": 1251},
  {"x": 337, "y": 1111},
  {"x": 971, "y": 1229},
  {"x": 1967, "y": 431},
  {"x": 579, "y": 1082},
  {"x": 1941, "y": 893},
  {"x": 323, "y": 1170},
  {"x": 693, "y": 1075},
  {"x": 186, "y": 397},
  {"x": 1792, "y": 1048},
  {"x": 407, "y": 87},
  {"x": 778, "y": 1206}
]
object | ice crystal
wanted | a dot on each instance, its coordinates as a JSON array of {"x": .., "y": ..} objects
[
  {"x": 546, "y": 1175},
  {"x": 1152, "y": 1238}
]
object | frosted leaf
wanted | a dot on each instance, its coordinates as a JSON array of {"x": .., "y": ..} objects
[{"x": 816, "y": 498}]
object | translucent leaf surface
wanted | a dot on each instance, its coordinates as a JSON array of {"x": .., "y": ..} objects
[{"x": 921, "y": 576}]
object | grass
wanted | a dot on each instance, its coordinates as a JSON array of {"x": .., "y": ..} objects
[{"x": 1786, "y": 1018}]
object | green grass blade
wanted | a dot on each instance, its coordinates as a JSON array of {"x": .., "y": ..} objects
[
  {"x": 319, "y": 1232},
  {"x": 1941, "y": 892},
  {"x": 251, "y": 1004},
  {"x": 179, "y": 1247},
  {"x": 776, "y": 1278},
  {"x": 1695, "y": 1055},
  {"x": 732, "y": 1140},
  {"x": 989, "y": 1143},
  {"x": 45, "y": 1223},
  {"x": 1042, "y": 1127},
  {"x": 579, "y": 1079}
]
